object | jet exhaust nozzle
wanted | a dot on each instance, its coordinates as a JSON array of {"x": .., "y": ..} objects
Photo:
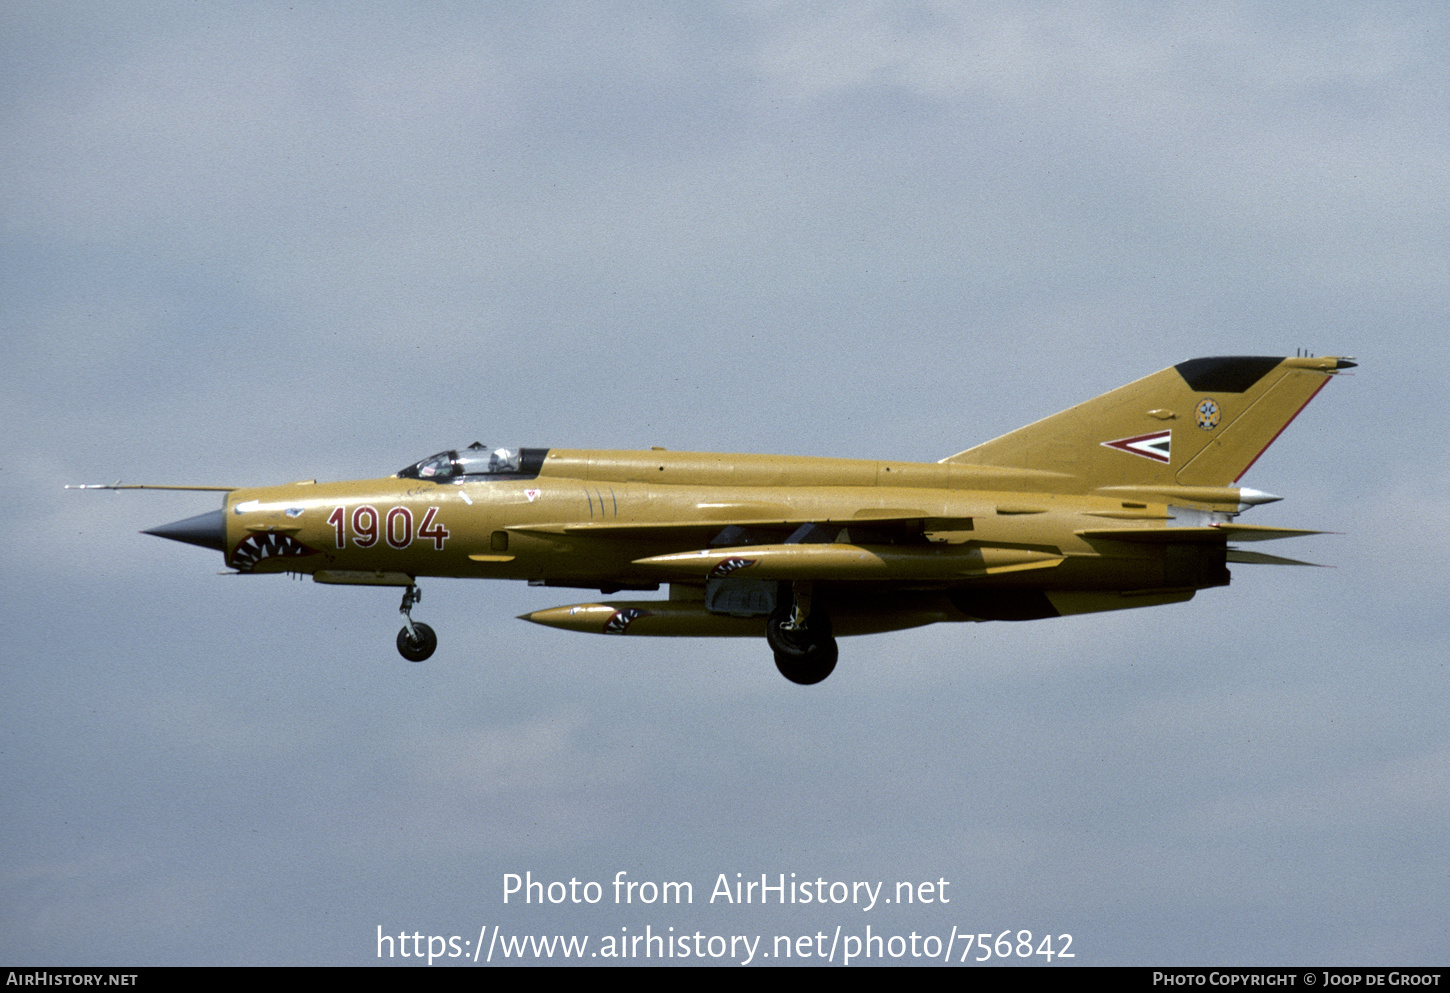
[{"x": 207, "y": 530}]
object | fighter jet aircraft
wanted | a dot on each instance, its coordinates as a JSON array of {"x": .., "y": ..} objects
[{"x": 1127, "y": 500}]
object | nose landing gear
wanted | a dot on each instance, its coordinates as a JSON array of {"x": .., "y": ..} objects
[{"x": 416, "y": 640}]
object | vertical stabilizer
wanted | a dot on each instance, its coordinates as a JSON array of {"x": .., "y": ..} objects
[{"x": 1200, "y": 423}]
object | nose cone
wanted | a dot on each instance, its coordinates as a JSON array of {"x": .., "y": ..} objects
[{"x": 206, "y": 530}]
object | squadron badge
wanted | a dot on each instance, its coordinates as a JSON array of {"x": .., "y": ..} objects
[{"x": 1207, "y": 415}]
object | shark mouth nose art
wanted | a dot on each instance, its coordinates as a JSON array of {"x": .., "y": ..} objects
[{"x": 267, "y": 545}]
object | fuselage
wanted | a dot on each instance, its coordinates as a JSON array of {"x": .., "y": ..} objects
[{"x": 588, "y": 518}]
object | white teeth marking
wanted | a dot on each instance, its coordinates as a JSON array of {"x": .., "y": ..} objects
[{"x": 257, "y": 547}]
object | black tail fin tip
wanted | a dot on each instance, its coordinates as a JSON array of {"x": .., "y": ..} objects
[{"x": 1226, "y": 374}]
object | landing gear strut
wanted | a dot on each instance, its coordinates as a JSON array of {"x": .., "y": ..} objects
[
  {"x": 416, "y": 640},
  {"x": 805, "y": 649}
]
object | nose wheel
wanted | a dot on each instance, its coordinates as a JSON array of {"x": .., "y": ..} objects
[{"x": 416, "y": 640}]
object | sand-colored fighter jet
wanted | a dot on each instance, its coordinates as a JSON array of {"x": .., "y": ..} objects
[{"x": 1127, "y": 500}]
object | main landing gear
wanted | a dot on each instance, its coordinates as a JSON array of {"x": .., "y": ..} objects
[
  {"x": 416, "y": 640},
  {"x": 805, "y": 649}
]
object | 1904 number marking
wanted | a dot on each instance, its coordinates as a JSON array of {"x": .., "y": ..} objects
[{"x": 396, "y": 527}]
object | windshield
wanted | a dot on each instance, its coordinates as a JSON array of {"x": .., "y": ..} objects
[{"x": 477, "y": 462}]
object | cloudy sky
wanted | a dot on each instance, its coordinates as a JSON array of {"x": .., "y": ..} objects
[{"x": 250, "y": 243}]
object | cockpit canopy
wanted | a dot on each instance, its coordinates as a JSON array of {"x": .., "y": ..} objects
[{"x": 477, "y": 463}]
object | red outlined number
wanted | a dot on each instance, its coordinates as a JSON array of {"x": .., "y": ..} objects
[
  {"x": 400, "y": 536},
  {"x": 365, "y": 527},
  {"x": 428, "y": 529},
  {"x": 396, "y": 527}
]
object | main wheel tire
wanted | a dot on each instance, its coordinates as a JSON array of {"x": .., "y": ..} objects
[
  {"x": 416, "y": 649},
  {"x": 802, "y": 645},
  {"x": 812, "y": 671}
]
